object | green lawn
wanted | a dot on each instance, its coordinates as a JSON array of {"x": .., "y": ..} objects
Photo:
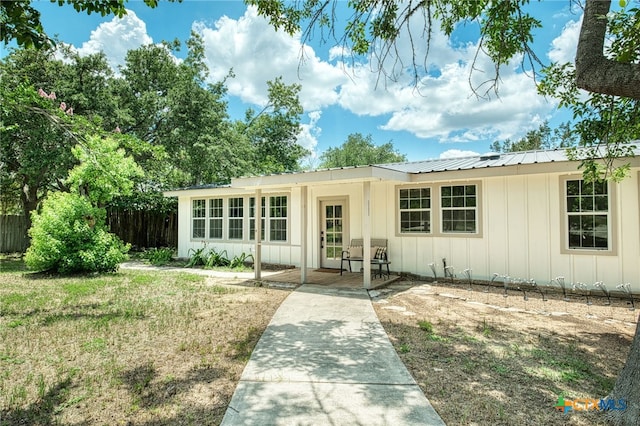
[{"x": 141, "y": 347}]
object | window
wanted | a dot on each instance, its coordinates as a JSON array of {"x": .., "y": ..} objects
[
  {"x": 278, "y": 218},
  {"x": 459, "y": 209},
  {"x": 587, "y": 215},
  {"x": 236, "y": 215},
  {"x": 199, "y": 211},
  {"x": 252, "y": 220},
  {"x": 215, "y": 218},
  {"x": 225, "y": 218},
  {"x": 415, "y": 210}
]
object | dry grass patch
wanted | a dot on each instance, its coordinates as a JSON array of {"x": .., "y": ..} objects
[
  {"x": 129, "y": 348},
  {"x": 485, "y": 359}
]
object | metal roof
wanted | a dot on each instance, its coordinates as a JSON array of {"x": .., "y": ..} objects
[
  {"x": 385, "y": 171},
  {"x": 483, "y": 161}
]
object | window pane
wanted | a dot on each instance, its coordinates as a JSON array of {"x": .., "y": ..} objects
[
  {"x": 573, "y": 204},
  {"x": 199, "y": 208},
  {"x": 414, "y": 205},
  {"x": 278, "y": 230},
  {"x": 198, "y": 228},
  {"x": 573, "y": 187},
  {"x": 215, "y": 228},
  {"x": 601, "y": 203},
  {"x": 586, "y": 204},
  {"x": 586, "y": 188},
  {"x": 600, "y": 188},
  {"x": 458, "y": 201},
  {"x": 470, "y": 201}
]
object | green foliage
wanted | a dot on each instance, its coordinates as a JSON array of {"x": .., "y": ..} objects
[
  {"x": 210, "y": 258},
  {"x": 20, "y": 21},
  {"x": 604, "y": 124},
  {"x": 197, "y": 257},
  {"x": 272, "y": 133},
  {"x": 359, "y": 150},
  {"x": 159, "y": 256},
  {"x": 69, "y": 235},
  {"x": 216, "y": 259},
  {"x": 240, "y": 260},
  {"x": 541, "y": 138},
  {"x": 104, "y": 172},
  {"x": 426, "y": 326}
]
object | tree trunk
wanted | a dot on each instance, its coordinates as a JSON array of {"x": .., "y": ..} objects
[
  {"x": 594, "y": 72},
  {"x": 627, "y": 387},
  {"x": 29, "y": 198}
]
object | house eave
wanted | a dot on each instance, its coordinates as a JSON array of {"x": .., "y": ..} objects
[{"x": 329, "y": 176}]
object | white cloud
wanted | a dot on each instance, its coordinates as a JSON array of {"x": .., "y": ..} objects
[
  {"x": 308, "y": 136},
  {"x": 456, "y": 153},
  {"x": 443, "y": 105},
  {"x": 563, "y": 47},
  {"x": 257, "y": 54},
  {"x": 116, "y": 37}
]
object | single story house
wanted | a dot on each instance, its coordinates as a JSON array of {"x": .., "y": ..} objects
[{"x": 528, "y": 215}]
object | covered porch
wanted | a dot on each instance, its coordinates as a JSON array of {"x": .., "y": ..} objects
[
  {"x": 331, "y": 278},
  {"x": 332, "y": 207}
]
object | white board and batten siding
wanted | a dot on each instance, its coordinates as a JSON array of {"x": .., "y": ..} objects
[
  {"x": 521, "y": 227},
  {"x": 523, "y": 236}
]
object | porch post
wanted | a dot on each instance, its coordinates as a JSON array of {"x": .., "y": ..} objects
[
  {"x": 366, "y": 234},
  {"x": 257, "y": 255},
  {"x": 303, "y": 235}
]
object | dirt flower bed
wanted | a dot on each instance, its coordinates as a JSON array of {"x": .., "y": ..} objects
[
  {"x": 484, "y": 359},
  {"x": 136, "y": 347}
]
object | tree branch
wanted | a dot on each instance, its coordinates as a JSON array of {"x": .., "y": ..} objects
[{"x": 594, "y": 71}]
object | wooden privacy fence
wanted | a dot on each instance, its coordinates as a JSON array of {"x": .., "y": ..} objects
[
  {"x": 143, "y": 228},
  {"x": 12, "y": 234},
  {"x": 140, "y": 228}
]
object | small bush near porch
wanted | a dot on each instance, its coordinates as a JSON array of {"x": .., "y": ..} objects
[{"x": 126, "y": 348}]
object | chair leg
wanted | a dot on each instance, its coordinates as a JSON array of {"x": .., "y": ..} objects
[{"x": 341, "y": 263}]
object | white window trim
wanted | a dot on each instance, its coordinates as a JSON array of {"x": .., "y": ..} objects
[
  {"x": 436, "y": 211},
  {"x": 245, "y": 219},
  {"x": 442, "y": 209},
  {"x": 400, "y": 210},
  {"x": 611, "y": 221}
]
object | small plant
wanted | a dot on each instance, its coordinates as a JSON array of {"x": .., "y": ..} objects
[
  {"x": 426, "y": 326},
  {"x": 404, "y": 348},
  {"x": 239, "y": 261},
  {"x": 485, "y": 328},
  {"x": 197, "y": 257},
  {"x": 216, "y": 259},
  {"x": 158, "y": 256}
]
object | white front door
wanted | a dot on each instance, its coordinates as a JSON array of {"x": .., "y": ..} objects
[{"x": 332, "y": 232}]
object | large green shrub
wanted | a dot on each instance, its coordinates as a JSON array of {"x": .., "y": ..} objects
[{"x": 69, "y": 235}]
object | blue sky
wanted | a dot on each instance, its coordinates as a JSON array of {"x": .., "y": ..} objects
[{"x": 443, "y": 119}]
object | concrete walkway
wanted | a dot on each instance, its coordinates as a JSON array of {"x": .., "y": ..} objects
[{"x": 326, "y": 360}]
